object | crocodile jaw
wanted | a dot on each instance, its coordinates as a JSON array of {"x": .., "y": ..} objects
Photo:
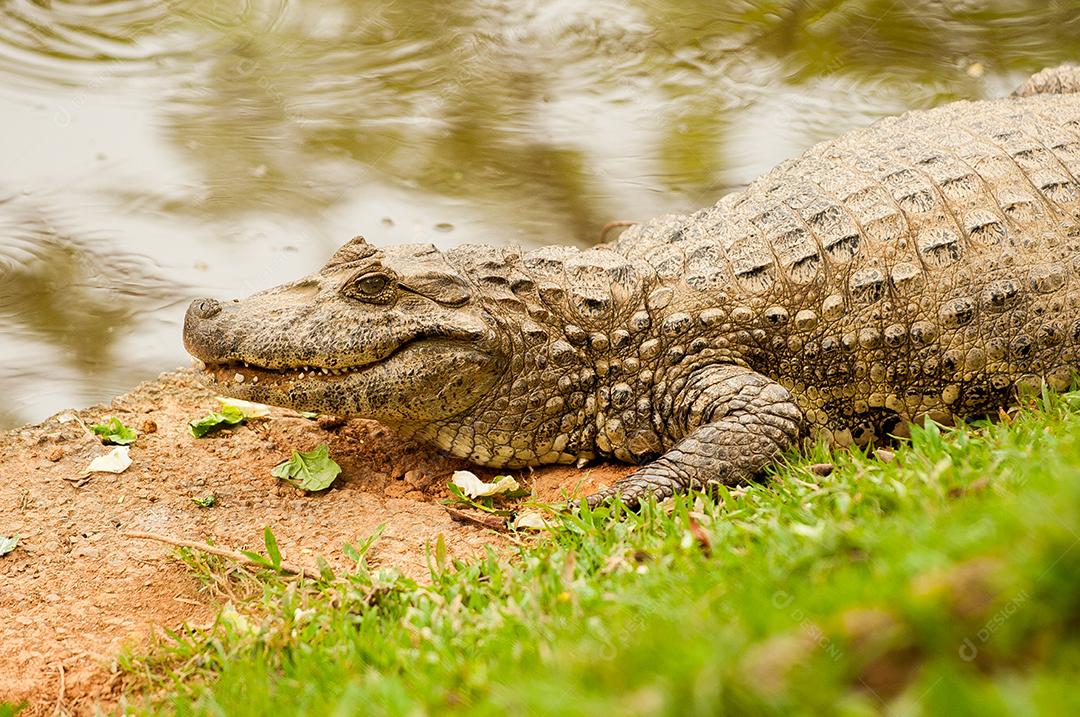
[{"x": 394, "y": 390}]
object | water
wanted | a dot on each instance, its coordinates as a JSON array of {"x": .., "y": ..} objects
[{"x": 153, "y": 152}]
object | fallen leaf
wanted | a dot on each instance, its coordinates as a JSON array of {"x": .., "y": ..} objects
[
  {"x": 215, "y": 420},
  {"x": 205, "y": 501},
  {"x": 114, "y": 431},
  {"x": 473, "y": 487},
  {"x": 249, "y": 409},
  {"x": 310, "y": 470},
  {"x": 530, "y": 520},
  {"x": 115, "y": 461}
]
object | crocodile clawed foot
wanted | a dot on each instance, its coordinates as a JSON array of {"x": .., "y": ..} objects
[
  {"x": 607, "y": 495},
  {"x": 637, "y": 488}
]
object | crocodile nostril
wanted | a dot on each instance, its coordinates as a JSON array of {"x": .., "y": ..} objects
[{"x": 205, "y": 308}]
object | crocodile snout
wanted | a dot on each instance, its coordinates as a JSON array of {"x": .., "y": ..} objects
[
  {"x": 203, "y": 329},
  {"x": 204, "y": 308}
]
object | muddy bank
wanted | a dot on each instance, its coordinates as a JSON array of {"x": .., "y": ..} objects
[{"x": 75, "y": 590}]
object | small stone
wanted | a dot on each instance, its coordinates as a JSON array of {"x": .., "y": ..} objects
[
  {"x": 55, "y": 454},
  {"x": 330, "y": 423},
  {"x": 885, "y": 456},
  {"x": 822, "y": 469},
  {"x": 148, "y": 426}
]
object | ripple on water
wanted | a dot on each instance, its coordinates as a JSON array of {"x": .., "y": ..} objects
[
  {"x": 79, "y": 294},
  {"x": 77, "y": 44}
]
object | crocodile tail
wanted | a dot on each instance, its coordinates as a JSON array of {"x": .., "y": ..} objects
[{"x": 1060, "y": 80}]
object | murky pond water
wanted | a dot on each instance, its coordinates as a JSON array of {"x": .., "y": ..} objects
[{"x": 155, "y": 151}]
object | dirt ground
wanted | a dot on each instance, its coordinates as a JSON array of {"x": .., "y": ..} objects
[{"x": 76, "y": 589}]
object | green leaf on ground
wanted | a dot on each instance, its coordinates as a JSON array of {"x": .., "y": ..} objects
[
  {"x": 8, "y": 544},
  {"x": 114, "y": 431},
  {"x": 311, "y": 470},
  {"x": 216, "y": 420},
  {"x": 205, "y": 501},
  {"x": 249, "y": 409}
]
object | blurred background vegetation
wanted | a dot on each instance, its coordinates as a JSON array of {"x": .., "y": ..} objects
[{"x": 158, "y": 151}]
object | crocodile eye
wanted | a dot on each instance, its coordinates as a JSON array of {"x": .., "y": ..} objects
[
  {"x": 372, "y": 284},
  {"x": 371, "y": 287}
]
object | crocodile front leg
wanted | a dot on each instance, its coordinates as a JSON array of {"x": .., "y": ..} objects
[{"x": 732, "y": 422}]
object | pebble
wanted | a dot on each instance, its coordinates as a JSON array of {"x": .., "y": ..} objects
[
  {"x": 84, "y": 551},
  {"x": 884, "y": 456}
]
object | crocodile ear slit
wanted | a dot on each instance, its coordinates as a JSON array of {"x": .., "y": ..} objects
[{"x": 445, "y": 289}]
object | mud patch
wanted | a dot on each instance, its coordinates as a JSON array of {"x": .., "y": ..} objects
[{"x": 76, "y": 590}]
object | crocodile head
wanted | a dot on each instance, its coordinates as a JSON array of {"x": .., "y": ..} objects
[{"x": 392, "y": 334}]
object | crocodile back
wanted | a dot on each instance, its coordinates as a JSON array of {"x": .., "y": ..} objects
[{"x": 924, "y": 265}]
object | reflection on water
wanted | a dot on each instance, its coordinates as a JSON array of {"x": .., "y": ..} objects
[{"x": 156, "y": 151}]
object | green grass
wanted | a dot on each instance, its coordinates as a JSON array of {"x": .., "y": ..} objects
[{"x": 946, "y": 581}]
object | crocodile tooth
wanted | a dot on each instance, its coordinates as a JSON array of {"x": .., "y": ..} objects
[
  {"x": 238, "y": 377},
  {"x": 325, "y": 372}
]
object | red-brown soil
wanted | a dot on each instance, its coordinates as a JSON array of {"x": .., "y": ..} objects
[{"x": 76, "y": 589}]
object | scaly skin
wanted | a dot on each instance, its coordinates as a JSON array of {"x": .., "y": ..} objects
[{"x": 926, "y": 266}]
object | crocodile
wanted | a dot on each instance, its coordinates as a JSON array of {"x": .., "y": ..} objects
[{"x": 924, "y": 267}]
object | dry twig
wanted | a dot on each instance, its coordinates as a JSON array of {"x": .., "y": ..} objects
[
  {"x": 239, "y": 557},
  {"x": 59, "y": 709},
  {"x": 482, "y": 519}
]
